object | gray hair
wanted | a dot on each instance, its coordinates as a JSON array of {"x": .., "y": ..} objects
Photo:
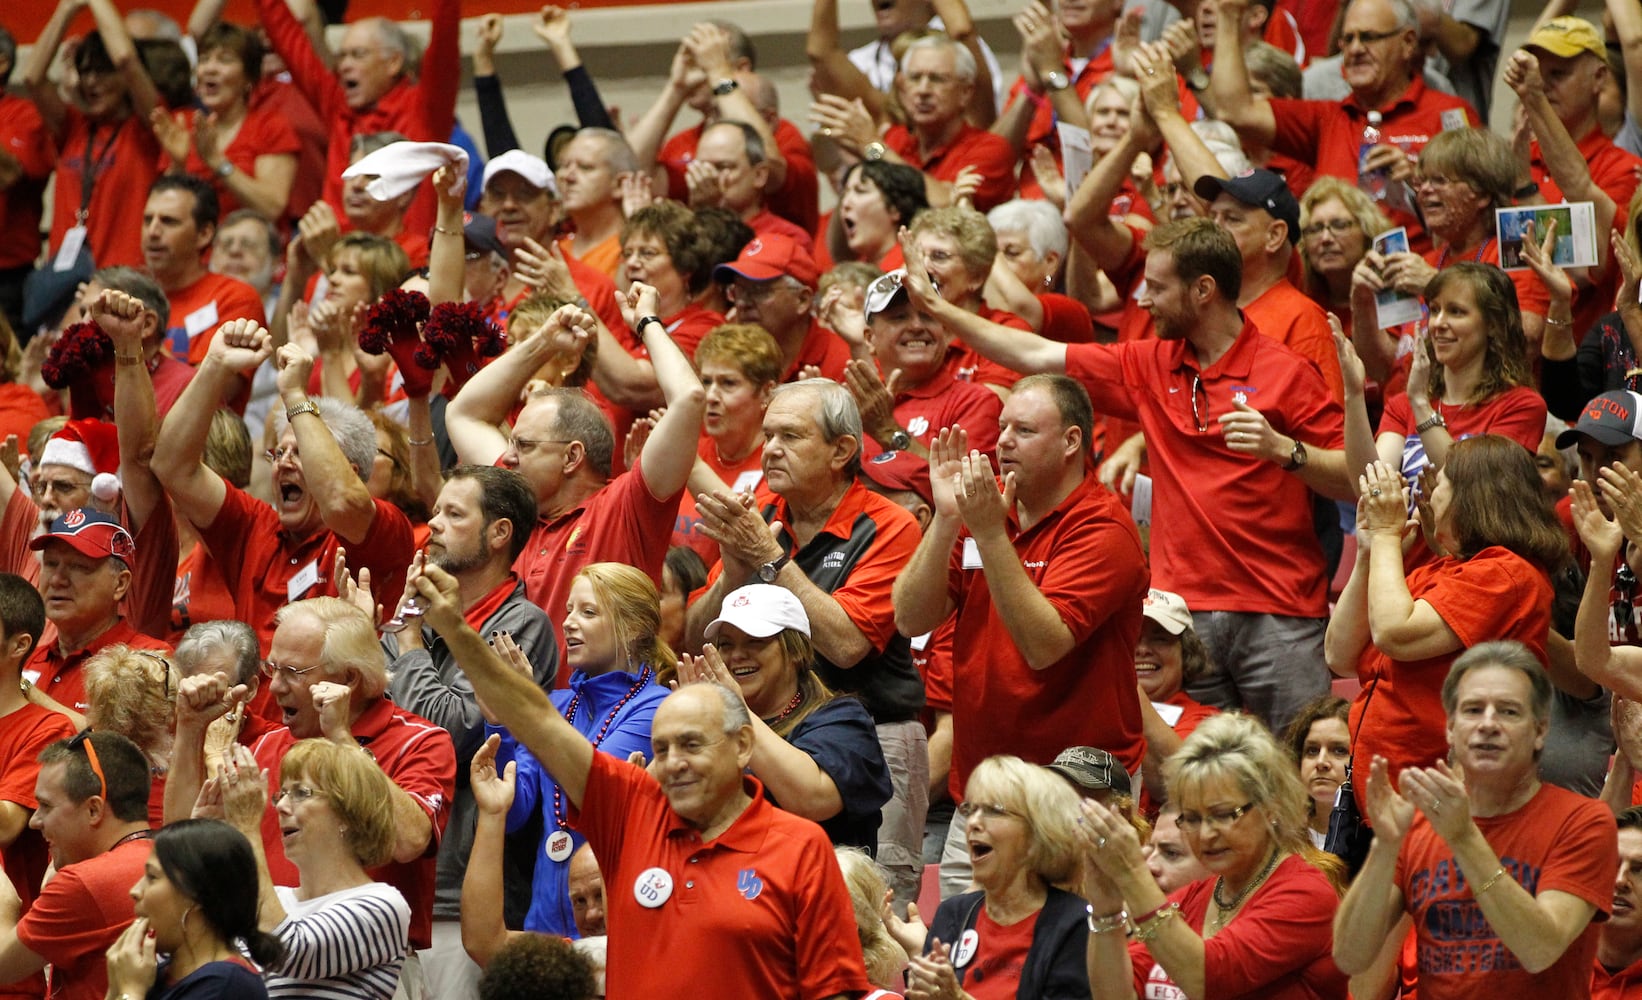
[
  {"x": 140, "y": 287},
  {"x": 617, "y": 152},
  {"x": 1042, "y": 224},
  {"x": 749, "y": 135},
  {"x": 736, "y": 714},
  {"x": 963, "y": 61},
  {"x": 226, "y": 637},
  {"x": 1511, "y": 655},
  {"x": 366, "y": 143},
  {"x": 394, "y": 39},
  {"x": 353, "y": 430},
  {"x": 835, "y": 413}
]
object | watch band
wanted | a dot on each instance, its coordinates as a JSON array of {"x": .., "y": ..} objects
[
  {"x": 638, "y": 327},
  {"x": 728, "y": 85},
  {"x": 900, "y": 440},
  {"x": 1056, "y": 80},
  {"x": 874, "y": 151},
  {"x": 1434, "y": 420},
  {"x": 298, "y": 409},
  {"x": 1297, "y": 456},
  {"x": 770, "y": 570}
]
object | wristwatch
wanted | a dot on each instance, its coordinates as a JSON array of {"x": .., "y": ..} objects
[
  {"x": 900, "y": 440},
  {"x": 1197, "y": 79},
  {"x": 1297, "y": 456},
  {"x": 225, "y": 170},
  {"x": 770, "y": 570},
  {"x": 726, "y": 86},
  {"x": 1434, "y": 420},
  {"x": 1056, "y": 80},
  {"x": 874, "y": 151},
  {"x": 298, "y": 409}
]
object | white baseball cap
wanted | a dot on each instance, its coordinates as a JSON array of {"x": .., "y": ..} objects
[
  {"x": 533, "y": 169},
  {"x": 760, "y": 610},
  {"x": 1168, "y": 610}
]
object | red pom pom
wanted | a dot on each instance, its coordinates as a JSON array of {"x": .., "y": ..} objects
[
  {"x": 462, "y": 334},
  {"x": 396, "y": 316},
  {"x": 79, "y": 352}
]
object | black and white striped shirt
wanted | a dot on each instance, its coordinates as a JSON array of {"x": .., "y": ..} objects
[{"x": 347, "y": 945}]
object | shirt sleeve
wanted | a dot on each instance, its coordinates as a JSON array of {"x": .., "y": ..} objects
[
  {"x": 310, "y": 74},
  {"x": 840, "y": 738},
  {"x": 386, "y": 550},
  {"x": 1482, "y": 597},
  {"x": 866, "y": 595},
  {"x": 425, "y": 769},
  {"x": 1583, "y": 856},
  {"x": 22, "y": 756},
  {"x": 1096, "y": 571},
  {"x": 363, "y": 930},
  {"x": 828, "y": 947},
  {"x": 65, "y": 923},
  {"x": 1286, "y": 927},
  {"x": 1518, "y": 414},
  {"x": 441, "y": 73},
  {"x": 1298, "y": 126},
  {"x": 1099, "y": 367}
]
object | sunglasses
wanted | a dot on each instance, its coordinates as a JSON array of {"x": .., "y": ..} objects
[{"x": 83, "y": 743}]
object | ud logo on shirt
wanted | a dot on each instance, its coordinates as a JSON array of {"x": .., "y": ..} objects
[{"x": 749, "y": 884}]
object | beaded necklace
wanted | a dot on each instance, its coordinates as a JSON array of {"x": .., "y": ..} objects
[
  {"x": 792, "y": 706},
  {"x": 604, "y": 730},
  {"x": 1442, "y": 258}
]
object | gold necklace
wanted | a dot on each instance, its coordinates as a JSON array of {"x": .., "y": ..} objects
[{"x": 1226, "y": 909}]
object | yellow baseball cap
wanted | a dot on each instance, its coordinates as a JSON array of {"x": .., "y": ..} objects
[{"x": 1568, "y": 37}]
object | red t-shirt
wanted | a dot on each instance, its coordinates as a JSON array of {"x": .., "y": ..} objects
[
  {"x": 1266, "y": 559},
  {"x": 1496, "y": 594},
  {"x": 262, "y": 563},
  {"x": 1085, "y": 558},
  {"x": 63, "y": 676},
  {"x": 1618, "y": 984},
  {"x": 760, "y": 911},
  {"x": 747, "y": 474},
  {"x": 766, "y": 224},
  {"x": 1328, "y": 134},
  {"x": 798, "y": 198},
  {"x": 279, "y": 98},
  {"x": 197, "y": 311},
  {"x": 200, "y": 593},
  {"x": 419, "y": 758},
  {"x": 1557, "y": 840},
  {"x": 1279, "y": 946},
  {"x": 23, "y": 734},
  {"x": 20, "y": 409},
  {"x": 1288, "y": 316},
  {"x": 23, "y": 135},
  {"x": 620, "y": 523},
  {"x": 1614, "y": 171},
  {"x": 262, "y": 133},
  {"x": 126, "y": 155},
  {"x": 994, "y": 970},
  {"x": 968, "y": 147},
  {"x": 946, "y": 399},
  {"x": 1517, "y": 413},
  {"x": 79, "y": 914}
]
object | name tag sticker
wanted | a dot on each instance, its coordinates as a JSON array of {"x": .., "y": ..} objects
[
  {"x": 73, "y": 240},
  {"x": 201, "y": 319},
  {"x": 972, "y": 554},
  {"x": 748, "y": 481},
  {"x": 302, "y": 582}
]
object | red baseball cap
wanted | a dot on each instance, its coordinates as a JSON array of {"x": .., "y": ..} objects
[
  {"x": 769, "y": 257},
  {"x": 90, "y": 533}
]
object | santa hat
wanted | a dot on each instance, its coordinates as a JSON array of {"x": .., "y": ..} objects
[{"x": 91, "y": 446}]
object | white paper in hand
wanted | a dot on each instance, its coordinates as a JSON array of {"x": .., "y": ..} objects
[{"x": 399, "y": 166}]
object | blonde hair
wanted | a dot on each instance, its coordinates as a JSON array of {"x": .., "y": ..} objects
[
  {"x": 865, "y": 881},
  {"x": 130, "y": 691},
  {"x": 1044, "y": 801},
  {"x": 350, "y": 641},
  {"x": 629, "y": 598},
  {"x": 746, "y": 347},
  {"x": 357, "y": 790},
  {"x": 1358, "y": 204}
]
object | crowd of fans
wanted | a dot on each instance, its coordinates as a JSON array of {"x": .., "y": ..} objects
[{"x": 1161, "y": 511}]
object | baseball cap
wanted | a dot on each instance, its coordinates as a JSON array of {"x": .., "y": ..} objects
[
  {"x": 1168, "y": 610},
  {"x": 760, "y": 610},
  {"x": 899, "y": 471},
  {"x": 90, "y": 533},
  {"x": 480, "y": 233},
  {"x": 1259, "y": 188},
  {"x": 1093, "y": 769},
  {"x": 768, "y": 257},
  {"x": 1613, "y": 418},
  {"x": 883, "y": 290},
  {"x": 533, "y": 169},
  {"x": 1567, "y": 37}
]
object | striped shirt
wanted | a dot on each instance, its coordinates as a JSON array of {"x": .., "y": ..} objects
[{"x": 347, "y": 945}]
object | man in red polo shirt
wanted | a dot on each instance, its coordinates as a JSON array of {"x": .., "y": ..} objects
[
  {"x": 93, "y": 813},
  {"x": 562, "y": 444},
  {"x": 1382, "y": 65},
  {"x": 179, "y": 226},
  {"x": 772, "y": 283},
  {"x": 330, "y": 680},
  {"x": 85, "y": 570},
  {"x": 271, "y": 556},
  {"x": 730, "y": 171},
  {"x": 1047, "y": 592},
  {"x": 1240, "y": 430},
  {"x": 741, "y": 897}
]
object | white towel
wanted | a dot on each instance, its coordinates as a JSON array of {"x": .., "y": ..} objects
[{"x": 400, "y": 166}]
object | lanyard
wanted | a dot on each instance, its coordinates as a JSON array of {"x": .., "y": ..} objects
[{"x": 91, "y": 166}]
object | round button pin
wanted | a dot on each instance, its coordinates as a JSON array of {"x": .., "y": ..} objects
[
  {"x": 559, "y": 845},
  {"x": 653, "y": 888},
  {"x": 966, "y": 949}
]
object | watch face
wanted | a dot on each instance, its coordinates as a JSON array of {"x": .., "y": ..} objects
[{"x": 767, "y": 572}]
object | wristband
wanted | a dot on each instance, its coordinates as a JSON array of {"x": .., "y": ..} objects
[
  {"x": 1490, "y": 883},
  {"x": 1108, "y": 923},
  {"x": 128, "y": 359}
]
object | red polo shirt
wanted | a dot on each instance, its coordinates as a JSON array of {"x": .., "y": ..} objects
[
  {"x": 63, "y": 675},
  {"x": 197, "y": 311},
  {"x": 823, "y": 349},
  {"x": 418, "y": 757},
  {"x": 943, "y": 400},
  {"x": 798, "y": 198},
  {"x": 760, "y": 911},
  {"x": 261, "y": 562},
  {"x": 1085, "y": 558},
  {"x": 1229, "y": 532},
  {"x": 1328, "y": 134},
  {"x": 1066, "y": 320},
  {"x": 969, "y": 147},
  {"x": 622, "y": 522}
]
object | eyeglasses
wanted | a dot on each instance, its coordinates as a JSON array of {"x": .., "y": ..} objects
[
  {"x": 278, "y": 455},
  {"x": 932, "y": 79},
  {"x": 761, "y": 291},
  {"x": 272, "y": 669},
  {"x": 164, "y": 665},
  {"x": 1624, "y": 606},
  {"x": 645, "y": 254},
  {"x": 1199, "y": 414},
  {"x": 83, "y": 743},
  {"x": 297, "y": 793},
  {"x": 1339, "y": 227},
  {"x": 1366, "y": 38},
  {"x": 525, "y": 446},
  {"x": 988, "y": 810},
  {"x": 1216, "y": 820},
  {"x": 1435, "y": 180}
]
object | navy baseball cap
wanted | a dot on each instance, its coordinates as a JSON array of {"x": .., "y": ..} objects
[{"x": 1259, "y": 188}]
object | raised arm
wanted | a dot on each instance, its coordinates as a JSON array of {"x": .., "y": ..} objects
[
  {"x": 917, "y": 609},
  {"x": 1563, "y": 160},
  {"x": 553, "y": 27},
  {"x": 1402, "y": 627},
  {"x": 670, "y": 452},
  {"x": 123, "y": 53},
  {"x": 830, "y": 64},
  {"x": 484, "y": 932},
  {"x": 345, "y": 503},
  {"x": 121, "y": 317},
  {"x": 473, "y": 419},
  {"x": 1618, "y": 668},
  {"x": 1627, "y": 24},
  {"x": 1015, "y": 349},
  {"x": 960, "y": 27},
  {"x": 1229, "y": 86},
  {"x": 1162, "y": 99},
  {"x": 197, "y": 492},
  {"x": 1088, "y": 212},
  {"x": 37, "y": 75},
  {"x": 487, "y": 88},
  {"x": 519, "y": 705},
  {"x": 447, "y": 253},
  {"x": 710, "y": 47},
  {"x": 648, "y": 133}
]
